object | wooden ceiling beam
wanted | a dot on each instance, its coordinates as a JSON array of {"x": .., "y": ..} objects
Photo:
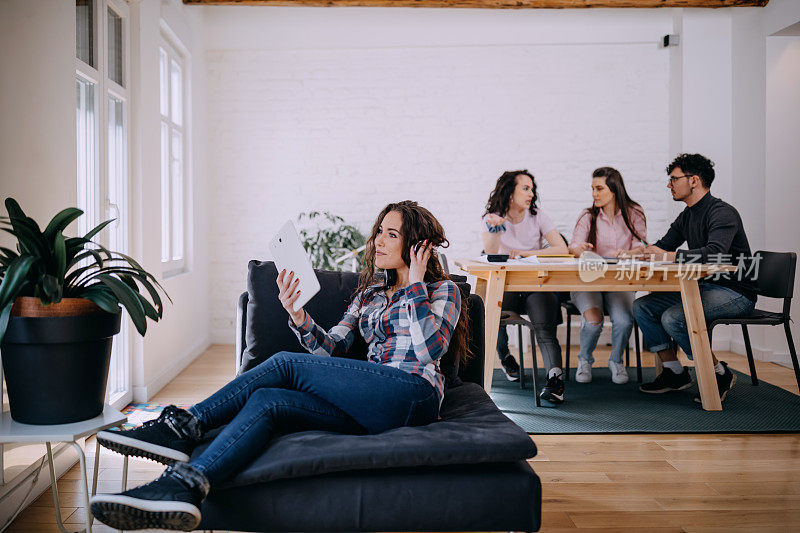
[{"x": 492, "y": 4}]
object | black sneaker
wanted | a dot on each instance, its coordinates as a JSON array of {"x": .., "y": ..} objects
[
  {"x": 510, "y": 368},
  {"x": 553, "y": 392},
  {"x": 170, "y": 502},
  {"x": 169, "y": 438},
  {"x": 724, "y": 383},
  {"x": 667, "y": 381}
]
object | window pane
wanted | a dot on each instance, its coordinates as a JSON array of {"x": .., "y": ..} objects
[
  {"x": 116, "y": 190},
  {"x": 163, "y": 67},
  {"x": 117, "y": 167},
  {"x": 114, "y": 47},
  {"x": 177, "y": 195},
  {"x": 176, "y": 83},
  {"x": 88, "y": 186},
  {"x": 165, "y": 196},
  {"x": 84, "y": 38}
]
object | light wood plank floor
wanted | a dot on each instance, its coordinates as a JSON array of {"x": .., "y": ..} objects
[{"x": 606, "y": 483}]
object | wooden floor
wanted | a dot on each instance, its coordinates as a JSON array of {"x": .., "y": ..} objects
[{"x": 606, "y": 483}]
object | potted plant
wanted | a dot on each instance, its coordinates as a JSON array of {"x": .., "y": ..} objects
[
  {"x": 60, "y": 301},
  {"x": 328, "y": 238}
]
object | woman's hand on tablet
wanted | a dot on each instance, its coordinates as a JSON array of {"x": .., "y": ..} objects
[{"x": 288, "y": 295}]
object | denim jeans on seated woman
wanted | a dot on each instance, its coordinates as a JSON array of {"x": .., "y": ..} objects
[
  {"x": 660, "y": 314},
  {"x": 619, "y": 307},
  {"x": 297, "y": 392}
]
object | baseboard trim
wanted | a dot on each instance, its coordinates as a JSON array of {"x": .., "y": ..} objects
[
  {"x": 143, "y": 393},
  {"x": 763, "y": 354}
]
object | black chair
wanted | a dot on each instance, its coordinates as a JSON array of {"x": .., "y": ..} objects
[
  {"x": 775, "y": 280},
  {"x": 511, "y": 318},
  {"x": 572, "y": 310}
]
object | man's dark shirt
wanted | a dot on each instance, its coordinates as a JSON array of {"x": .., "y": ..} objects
[{"x": 714, "y": 232}]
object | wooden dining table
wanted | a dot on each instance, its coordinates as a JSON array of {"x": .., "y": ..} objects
[{"x": 494, "y": 279}]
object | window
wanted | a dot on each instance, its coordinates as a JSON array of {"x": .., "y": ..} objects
[
  {"x": 173, "y": 155},
  {"x": 102, "y": 110}
]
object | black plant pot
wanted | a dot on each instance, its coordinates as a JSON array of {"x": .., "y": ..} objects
[{"x": 56, "y": 368}]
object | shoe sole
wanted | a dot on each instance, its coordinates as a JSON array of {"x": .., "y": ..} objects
[
  {"x": 125, "y": 512},
  {"x": 509, "y": 377},
  {"x": 668, "y": 389},
  {"x": 580, "y": 379},
  {"x": 724, "y": 393},
  {"x": 552, "y": 398},
  {"x": 139, "y": 448}
]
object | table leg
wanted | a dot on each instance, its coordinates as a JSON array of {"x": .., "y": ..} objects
[
  {"x": 85, "y": 487},
  {"x": 493, "y": 303},
  {"x": 54, "y": 487},
  {"x": 96, "y": 465},
  {"x": 701, "y": 348},
  {"x": 480, "y": 288},
  {"x": 125, "y": 474}
]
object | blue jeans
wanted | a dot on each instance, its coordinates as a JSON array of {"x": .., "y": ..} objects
[
  {"x": 297, "y": 392},
  {"x": 660, "y": 314},
  {"x": 619, "y": 307}
]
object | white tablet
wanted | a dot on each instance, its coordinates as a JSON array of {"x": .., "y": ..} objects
[{"x": 289, "y": 254}]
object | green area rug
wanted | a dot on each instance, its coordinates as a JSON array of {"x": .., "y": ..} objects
[{"x": 604, "y": 407}]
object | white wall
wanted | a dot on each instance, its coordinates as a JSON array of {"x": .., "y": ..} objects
[
  {"x": 782, "y": 189},
  {"x": 174, "y": 342},
  {"x": 348, "y": 109},
  {"x": 37, "y": 106}
]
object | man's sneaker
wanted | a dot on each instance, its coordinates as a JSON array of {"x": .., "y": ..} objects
[
  {"x": 724, "y": 383},
  {"x": 170, "y": 437},
  {"x": 170, "y": 502},
  {"x": 584, "y": 372},
  {"x": 553, "y": 392},
  {"x": 619, "y": 373},
  {"x": 667, "y": 381},
  {"x": 510, "y": 368}
]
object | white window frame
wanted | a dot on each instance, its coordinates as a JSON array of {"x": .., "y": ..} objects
[
  {"x": 103, "y": 207},
  {"x": 176, "y": 51}
]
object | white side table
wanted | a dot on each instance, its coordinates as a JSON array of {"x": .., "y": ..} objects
[{"x": 11, "y": 431}]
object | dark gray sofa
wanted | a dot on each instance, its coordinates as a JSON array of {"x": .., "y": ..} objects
[{"x": 466, "y": 472}]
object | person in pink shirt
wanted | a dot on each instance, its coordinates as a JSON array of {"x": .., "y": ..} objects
[
  {"x": 613, "y": 223},
  {"x": 514, "y": 225}
]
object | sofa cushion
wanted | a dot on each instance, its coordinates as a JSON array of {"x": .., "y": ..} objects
[
  {"x": 267, "y": 331},
  {"x": 471, "y": 430}
]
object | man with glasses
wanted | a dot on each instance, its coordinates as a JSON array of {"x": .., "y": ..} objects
[{"x": 713, "y": 231}]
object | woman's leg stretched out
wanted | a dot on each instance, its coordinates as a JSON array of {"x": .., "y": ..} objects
[{"x": 293, "y": 392}]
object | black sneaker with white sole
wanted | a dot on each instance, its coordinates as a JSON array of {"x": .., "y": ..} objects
[
  {"x": 725, "y": 383},
  {"x": 553, "y": 391},
  {"x": 170, "y": 502},
  {"x": 510, "y": 368},
  {"x": 668, "y": 381},
  {"x": 169, "y": 438}
]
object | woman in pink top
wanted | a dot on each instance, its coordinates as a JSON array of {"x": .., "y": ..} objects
[
  {"x": 513, "y": 224},
  {"x": 614, "y": 223}
]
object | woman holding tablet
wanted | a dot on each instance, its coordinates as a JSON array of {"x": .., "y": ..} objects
[
  {"x": 408, "y": 322},
  {"x": 612, "y": 224},
  {"x": 513, "y": 225}
]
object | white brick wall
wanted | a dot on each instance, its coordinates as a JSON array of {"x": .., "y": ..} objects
[{"x": 349, "y": 130}]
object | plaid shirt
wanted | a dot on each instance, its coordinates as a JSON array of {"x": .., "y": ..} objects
[{"x": 410, "y": 331}]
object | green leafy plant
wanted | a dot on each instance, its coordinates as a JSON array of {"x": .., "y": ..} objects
[
  {"x": 327, "y": 238},
  {"x": 49, "y": 266}
]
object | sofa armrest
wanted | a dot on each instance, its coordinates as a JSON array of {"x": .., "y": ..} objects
[{"x": 241, "y": 323}]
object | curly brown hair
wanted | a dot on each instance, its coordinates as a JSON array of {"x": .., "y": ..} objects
[
  {"x": 418, "y": 225},
  {"x": 500, "y": 199}
]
